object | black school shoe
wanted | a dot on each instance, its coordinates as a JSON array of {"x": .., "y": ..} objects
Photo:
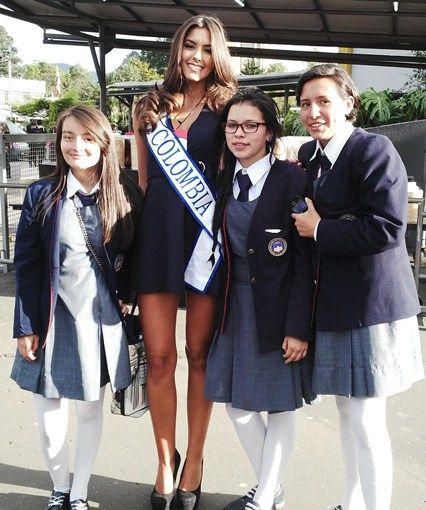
[
  {"x": 79, "y": 504},
  {"x": 240, "y": 503},
  {"x": 58, "y": 501}
]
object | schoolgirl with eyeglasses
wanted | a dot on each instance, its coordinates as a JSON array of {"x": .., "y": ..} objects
[{"x": 259, "y": 359}]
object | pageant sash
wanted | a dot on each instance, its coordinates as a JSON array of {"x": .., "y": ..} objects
[{"x": 191, "y": 186}]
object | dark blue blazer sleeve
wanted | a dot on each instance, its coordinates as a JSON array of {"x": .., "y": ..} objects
[
  {"x": 382, "y": 195},
  {"x": 28, "y": 263},
  {"x": 299, "y": 308}
]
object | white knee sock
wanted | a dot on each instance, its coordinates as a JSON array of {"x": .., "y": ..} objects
[
  {"x": 278, "y": 447},
  {"x": 89, "y": 431},
  {"x": 52, "y": 418},
  {"x": 251, "y": 431},
  {"x": 366, "y": 439},
  {"x": 267, "y": 447}
]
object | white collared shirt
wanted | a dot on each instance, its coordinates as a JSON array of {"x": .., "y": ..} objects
[
  {"x": 74, "y": 185},
  {"x": 258, "y": 172},
  {"x": 334, "y": 146}
]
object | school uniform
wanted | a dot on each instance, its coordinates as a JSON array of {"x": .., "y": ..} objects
[
  {"x": 267, "y": 295},
  {"x": 367, "y": 341},
  {"x": 63, "y": 296}
]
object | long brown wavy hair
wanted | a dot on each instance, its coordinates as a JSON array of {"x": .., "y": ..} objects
[
  {"x": 169, "y": 97},
  {"x": 116, "y": 196}
]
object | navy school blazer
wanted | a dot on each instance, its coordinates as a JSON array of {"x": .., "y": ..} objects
[
  {"x": 37, "y": 263},
  {"x": 364, "y": 274},
  {"x": 282, "y": 285}
]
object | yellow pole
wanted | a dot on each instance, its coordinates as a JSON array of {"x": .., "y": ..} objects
[{"x": 346, "y": 67}]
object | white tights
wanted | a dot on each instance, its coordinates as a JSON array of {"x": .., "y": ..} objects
[
  {"x": 268, "y": 447},
  {"x": 367, "y": 453},
  {"x": 52, "y": 417}
]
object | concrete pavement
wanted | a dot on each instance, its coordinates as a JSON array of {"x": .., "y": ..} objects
[{"x": 126, "y": 465}]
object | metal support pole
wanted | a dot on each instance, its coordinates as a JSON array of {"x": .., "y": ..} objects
[
  {"x": 5, "y": 250},
  {"x": 106, "y": 44}
]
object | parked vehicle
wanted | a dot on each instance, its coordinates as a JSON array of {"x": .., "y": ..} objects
[{"x": 15, "y": 151}]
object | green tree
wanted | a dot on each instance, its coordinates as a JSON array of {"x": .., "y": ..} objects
[
  {"x": 58, "y": 105},
  {"x": 49, "y": 108},
  {"x": 8, "y": 52},
  {"x": 34, "y": 108},
  {"x": 277, "y": 67},
  {"x": 156, "y": 59},
  {"x": 133, "y": 69},
  {"x": 251, "y": 67},
  {"x": 41, "y": 71},
  {"x": 79, "y": 82}
]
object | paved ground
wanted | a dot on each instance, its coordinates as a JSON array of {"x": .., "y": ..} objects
[{"x": 126, "y": 466}]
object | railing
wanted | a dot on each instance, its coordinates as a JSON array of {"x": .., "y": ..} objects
[{"x": 21, "y": 157}]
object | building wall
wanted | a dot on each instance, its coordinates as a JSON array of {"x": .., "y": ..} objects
[
  {"x": 16, "y": 90},
  {"x": 380, "y": 77}
]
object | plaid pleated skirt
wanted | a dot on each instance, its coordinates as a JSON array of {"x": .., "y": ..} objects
[{"x": 373, "y": 361}]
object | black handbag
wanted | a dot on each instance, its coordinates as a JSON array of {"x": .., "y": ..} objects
[{"x": 133, "y": 326}]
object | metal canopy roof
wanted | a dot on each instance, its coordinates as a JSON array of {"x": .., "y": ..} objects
[
  {"x": 343, "y": 23},
  {"x": 349, "y": 23}
]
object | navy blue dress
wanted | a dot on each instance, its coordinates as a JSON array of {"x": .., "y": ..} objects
[{"x": 168, "y": 230}]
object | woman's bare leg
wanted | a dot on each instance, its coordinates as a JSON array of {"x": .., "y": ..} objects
[
  {"x": 200, "y": 312},
  {"x": 158, "y": 316}
]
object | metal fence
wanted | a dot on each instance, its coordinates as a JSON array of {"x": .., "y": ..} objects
[{"x": 21, "y": 158}]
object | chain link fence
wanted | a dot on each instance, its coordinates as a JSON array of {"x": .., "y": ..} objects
[{"x": 23, "y": 158}]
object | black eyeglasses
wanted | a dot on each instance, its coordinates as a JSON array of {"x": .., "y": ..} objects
[{"x": 247, "y": 127}]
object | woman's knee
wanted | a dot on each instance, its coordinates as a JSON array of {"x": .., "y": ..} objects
[
  {"x": 197, "y": 358},
  {"x": 162, "y": 366}
]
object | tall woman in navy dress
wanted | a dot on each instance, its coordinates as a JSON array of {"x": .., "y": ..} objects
[
  {"x": 68, "y": 320},
  {"x": 258, "y": 359},
  {"x": 367, "y": 341},
  {"x": 178, "y": 159}
]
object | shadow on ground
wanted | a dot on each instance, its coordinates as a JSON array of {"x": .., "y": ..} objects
[
  {"x": 104, "y": 493},
  {"x": 7, "y": 284}
]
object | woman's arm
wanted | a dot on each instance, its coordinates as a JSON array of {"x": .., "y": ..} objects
[{"x": 142, "y": 151}]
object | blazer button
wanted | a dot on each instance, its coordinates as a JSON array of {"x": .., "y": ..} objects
[
  {"x": 250, "y": 251},
  {"x": 253, "y": 280}
]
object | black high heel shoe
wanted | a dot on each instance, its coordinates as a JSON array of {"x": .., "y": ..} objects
[
  {"x": 189, "y": 500},
  {"x": 166, "y": 501}
]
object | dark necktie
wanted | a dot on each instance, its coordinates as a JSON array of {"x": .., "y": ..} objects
[
  {"x": 323, "y": 162},
  {"x": 88, "y": 199},
  {"x": 244, "y": 184}
]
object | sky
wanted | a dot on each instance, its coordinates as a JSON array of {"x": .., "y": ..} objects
[{"x": 28, "y": 39}]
